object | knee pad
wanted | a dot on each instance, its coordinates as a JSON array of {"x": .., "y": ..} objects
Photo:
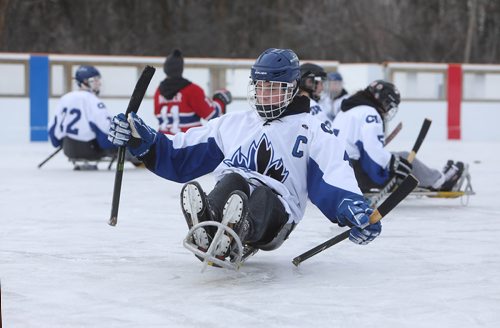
[
  {"x": 224, "y": 187},
  {"x": 232, "y": 182}
]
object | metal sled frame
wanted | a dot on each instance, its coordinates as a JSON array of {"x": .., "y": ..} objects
[
  {"x": 82, "y": 163},
  {"x": 464, "y": 194},
  {"x": 209, "y": 256}
]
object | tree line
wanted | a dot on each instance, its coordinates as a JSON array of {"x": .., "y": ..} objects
[{"x": 343, "y": 30}]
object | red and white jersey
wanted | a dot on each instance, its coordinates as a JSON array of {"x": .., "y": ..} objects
[{"x": 185, "y": 110}]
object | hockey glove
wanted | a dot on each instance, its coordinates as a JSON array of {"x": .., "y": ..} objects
[
  {"x": 366, "y": 235},
  {"x": 355, "y": 214},
  {"x": 143, "y": 136},
  {"x": 399, "y": 167},
  {"x": 119, "y": 131},
  {"x": 133, "y": 133},
  {"x": 224, "y": 96}
]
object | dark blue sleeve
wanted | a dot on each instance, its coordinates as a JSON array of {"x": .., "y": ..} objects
[
  {"x": 183, "y": 164},
  {"x": 377, "y": 173},
  {"x": 325, "y": 196},
  {"x": 52, "y": 135}
]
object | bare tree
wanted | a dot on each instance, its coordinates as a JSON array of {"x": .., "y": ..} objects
[{"x": 344, "y": 30}]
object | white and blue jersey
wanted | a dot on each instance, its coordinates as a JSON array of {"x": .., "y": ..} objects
[
  {"x": 296, "y": 155},
  {"x": 362, "y": 129},
  {"x": 320, "y": 113},
  {"x": 81, "y": 116}
]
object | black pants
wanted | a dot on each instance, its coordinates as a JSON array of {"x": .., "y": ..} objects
[
  {"x": 85, "y": 150},
  {"x": 90, "y": 151},
  {"x": 267, "y": 214}
]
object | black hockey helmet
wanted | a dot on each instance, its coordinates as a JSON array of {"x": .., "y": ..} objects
[
  {"x": 386, "y": 95},
  {"x": 310, "y": 75}
]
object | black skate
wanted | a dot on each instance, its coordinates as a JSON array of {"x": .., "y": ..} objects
[
  {"x": 453, "y": 175},
  {"x": 447, "y": 166}
]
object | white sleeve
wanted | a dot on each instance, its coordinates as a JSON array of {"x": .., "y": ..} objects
[
  {"x": 98, "y": 115},
  {"x": 372, "y": 137},
  {"x": 330, "y": 178}
]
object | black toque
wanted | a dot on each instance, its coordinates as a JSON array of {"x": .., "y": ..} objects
[{"x": 174, "y": 64}]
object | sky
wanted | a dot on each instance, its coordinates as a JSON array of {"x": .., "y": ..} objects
[{"x": 436, "y": 263}]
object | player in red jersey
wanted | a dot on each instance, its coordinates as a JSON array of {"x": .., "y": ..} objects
[{"x": 181, "y": 104}]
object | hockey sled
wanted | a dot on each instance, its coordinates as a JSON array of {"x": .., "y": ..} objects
[
  {"x": 81, "y": 164},
  {"x": 457, "y": 192},
  {"x": 236, "y": 258},
  {"x": 85, "y": 155}
]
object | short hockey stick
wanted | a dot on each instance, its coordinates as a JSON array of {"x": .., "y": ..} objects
[
  {"x": 403, "y": 190},
  {"x": 411, "y": 156},
  {"x": 394, "y": 133},
  {"x": 133, "y": 106},
  {"x": 50, "y": 156}
]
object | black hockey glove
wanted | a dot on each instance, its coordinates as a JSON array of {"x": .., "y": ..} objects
[
  {"x": 224, "y": 96},
  {"x": 399, "y": 167}
]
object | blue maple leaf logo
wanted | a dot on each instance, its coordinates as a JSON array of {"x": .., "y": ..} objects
[{"x": 260, "y": 158}]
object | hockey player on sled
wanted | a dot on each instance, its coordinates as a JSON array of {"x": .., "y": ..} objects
[
  {"x": 267, "y": 162},
  {"x": 81, "y": 123},
  {"x": 360, "y": 123}
]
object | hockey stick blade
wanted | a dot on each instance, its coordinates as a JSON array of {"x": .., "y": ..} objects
[
  {"x": 411, "y": 156},
  {"x": 403, "y": 190},
  {"x": 393, "y": 134},
  {"x": 133, "y": 106}
]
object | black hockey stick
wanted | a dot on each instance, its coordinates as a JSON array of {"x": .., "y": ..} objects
[
  {"x": 411, "y": 156},
  {"x": 50, "y": 156},
  {"x": 133, "y": 106},
  {"x": 403, "y": 190},
  {"x": 394, "y": 133}
]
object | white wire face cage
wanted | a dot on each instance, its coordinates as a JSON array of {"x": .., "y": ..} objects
[{"x": 270, "y": 98}]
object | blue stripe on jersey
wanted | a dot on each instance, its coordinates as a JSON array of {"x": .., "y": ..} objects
[
  {"x": 187, "y": 163},
  {"x": 216, "y": 113},
  {"x": 324, "y": 195},
  {"x": 102, "y": 138},
  {"x": 377, "y": 173},
  {"x": 185, "y": 119}
]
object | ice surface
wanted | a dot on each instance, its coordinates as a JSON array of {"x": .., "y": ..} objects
[{"x": 436, "y": 264}]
